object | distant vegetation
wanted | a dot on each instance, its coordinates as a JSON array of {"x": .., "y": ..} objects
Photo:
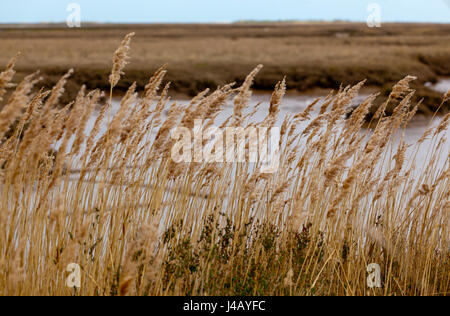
[{"x": 311, "y": 55}]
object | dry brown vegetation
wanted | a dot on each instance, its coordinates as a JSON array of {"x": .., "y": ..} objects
[
  {"x": 138, "y": 224},
  {"x": 205, "y": 56}
]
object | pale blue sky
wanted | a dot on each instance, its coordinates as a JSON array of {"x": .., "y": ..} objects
[{"x": 153, "y": 11}]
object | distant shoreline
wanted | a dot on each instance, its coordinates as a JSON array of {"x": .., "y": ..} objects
[
  {"x": 199, "y": 56},
  {"x": 62, "y": 24}
]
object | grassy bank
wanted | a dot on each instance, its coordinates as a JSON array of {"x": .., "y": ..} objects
[
  {"x": 114, "y": 202},
  {"x": 205, "y": 56}
]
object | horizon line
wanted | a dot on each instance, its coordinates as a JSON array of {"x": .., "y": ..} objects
[{"x": 224, "y": 22}]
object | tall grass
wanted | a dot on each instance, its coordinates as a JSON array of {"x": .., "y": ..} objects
[{"x": 138, "y": 223}]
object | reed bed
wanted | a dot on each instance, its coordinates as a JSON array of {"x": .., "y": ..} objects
[{"x": 345, "y": 195}]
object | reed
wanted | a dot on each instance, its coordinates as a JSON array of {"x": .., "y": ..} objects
[{"x": 111, "y": 199}]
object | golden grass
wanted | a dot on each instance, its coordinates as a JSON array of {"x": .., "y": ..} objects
[{"x": 139, "y": 224}]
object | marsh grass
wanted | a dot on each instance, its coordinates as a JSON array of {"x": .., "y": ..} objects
[{"x": 137, "y": 223}]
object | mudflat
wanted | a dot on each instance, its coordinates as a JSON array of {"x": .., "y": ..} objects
[{"x": 199, "y": 56}]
